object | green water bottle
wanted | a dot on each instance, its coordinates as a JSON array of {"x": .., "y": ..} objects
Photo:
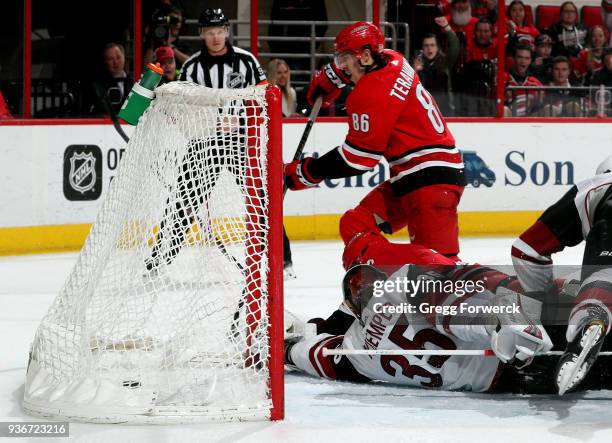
[{"x": 141, "y": 94}]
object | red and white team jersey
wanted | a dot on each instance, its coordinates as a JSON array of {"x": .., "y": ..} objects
[
  {"x": 478, "y": 53},
  {"x": 566, "y": 223},
  {"x": 522, "y": 102},
  {"x": 392, "y": 115},
  {"x": 390, "y": 331}
]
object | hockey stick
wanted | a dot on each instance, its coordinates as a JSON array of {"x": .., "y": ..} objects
[
  {"x": 481, "y": 352},
  {"x": 110, "y": 111},
  {"x": 311, "y": 119}
]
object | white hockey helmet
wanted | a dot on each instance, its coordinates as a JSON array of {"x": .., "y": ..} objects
[{"x": 605, "y": 166}]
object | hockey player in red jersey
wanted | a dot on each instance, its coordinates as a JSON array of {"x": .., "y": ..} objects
[
  {"x": 584, "y": 213},
  {"x": 391, "y": 116}
]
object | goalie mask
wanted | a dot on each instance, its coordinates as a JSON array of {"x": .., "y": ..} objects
[{"x": 358, "y": 286}]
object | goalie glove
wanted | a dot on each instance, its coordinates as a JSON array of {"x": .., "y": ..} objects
[
  {"x": 519, "y": 344},
  {"x": 297, "y": 176},
  {"x": 517, "y": 339},
  {"x": 328, "y": 83},
  {"x": 297, "y": 329}
]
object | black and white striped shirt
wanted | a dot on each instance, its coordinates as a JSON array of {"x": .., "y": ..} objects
[{"x": 235, "y": 69}]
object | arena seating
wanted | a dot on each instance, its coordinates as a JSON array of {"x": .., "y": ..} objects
[
  {"x": 591, "y": 16},
  {"x": 529, "y": 13},
  {"x": 546, "y": 16}
]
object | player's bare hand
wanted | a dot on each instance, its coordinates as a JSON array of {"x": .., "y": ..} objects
[{"x": 441, "y": 21}]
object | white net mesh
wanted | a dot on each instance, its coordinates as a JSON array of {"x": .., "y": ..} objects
[{"x": 164, "y": 316}]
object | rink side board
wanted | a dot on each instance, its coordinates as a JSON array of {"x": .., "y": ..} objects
[{"x": 55, "y": 173}]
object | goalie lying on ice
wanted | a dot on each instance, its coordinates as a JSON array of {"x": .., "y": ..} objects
[{"x": 408, "y": 310}]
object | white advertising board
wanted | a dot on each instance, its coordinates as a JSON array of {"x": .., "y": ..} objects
[
  {"x": 509, "y": 166},
  {"x": 55, "y": 175}
]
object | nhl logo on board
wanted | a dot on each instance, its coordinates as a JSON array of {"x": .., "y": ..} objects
[
  {"x": 235, "y": 80},
  {"x": 82, "y": 172}
]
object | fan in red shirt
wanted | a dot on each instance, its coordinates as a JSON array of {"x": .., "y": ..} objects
[
  {"x": 520, "y": 103},
  {"x": 483, "y": 46},
  {"x": 391, "y": 116},
  {"x": 589, "y": 60},
  {"x": 461, "y": 19},
  {"x": 519, "y": 24}
]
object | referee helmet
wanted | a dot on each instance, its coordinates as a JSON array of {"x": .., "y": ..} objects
[{"x": 212, "y": 18}]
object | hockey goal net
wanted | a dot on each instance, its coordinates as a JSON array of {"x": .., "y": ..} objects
[{"x": 173, "y": 311}]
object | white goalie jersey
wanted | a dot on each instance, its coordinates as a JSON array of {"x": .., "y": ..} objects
[{"x": 382, "y": 329}]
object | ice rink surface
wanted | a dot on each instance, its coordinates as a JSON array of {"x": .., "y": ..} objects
[{"x": 316, "y": 410}]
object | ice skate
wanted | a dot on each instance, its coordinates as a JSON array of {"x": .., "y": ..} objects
[{"x": 582, "y": 351}]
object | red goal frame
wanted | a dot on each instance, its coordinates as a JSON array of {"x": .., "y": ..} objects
[{"x": 276, "y": 367}]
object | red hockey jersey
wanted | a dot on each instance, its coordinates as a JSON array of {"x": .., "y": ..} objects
[{"x": 392, "y": 115}]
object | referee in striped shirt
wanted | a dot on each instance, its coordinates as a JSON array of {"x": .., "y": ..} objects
[{"x": 217, "y": 65}]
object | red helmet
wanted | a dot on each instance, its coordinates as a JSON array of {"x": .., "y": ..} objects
[{"x": 354, "y": 37}]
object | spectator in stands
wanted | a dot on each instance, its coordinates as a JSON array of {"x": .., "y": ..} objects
[
  {"x": 165, "y": 57},
  {"x": 115, "y": 83},
  {"x": 561, "y": 102},
  {"x": 279, "y": 74},
  {"x": 520, "y": 27},
  {"x": 5, "y": 112},
  {"x": 477, "y": 80},
  {"x": 589, "y": 59},
  {"x": 483, "y": 46},
  {"x": 606, "y": 15},
  {"x": 485, "y": 9},
  {"x": 604, "y": 75},
  {"x": 541, "y": 68},
  {"x": 568, "y": 35},
  {"x": 434, "y": 66},
  {"x": 463, "y": 23},
  {"x": 521, "y": 103},
  {"x": 165, "y": 30},
  {"x": 461, "y": 19}
]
